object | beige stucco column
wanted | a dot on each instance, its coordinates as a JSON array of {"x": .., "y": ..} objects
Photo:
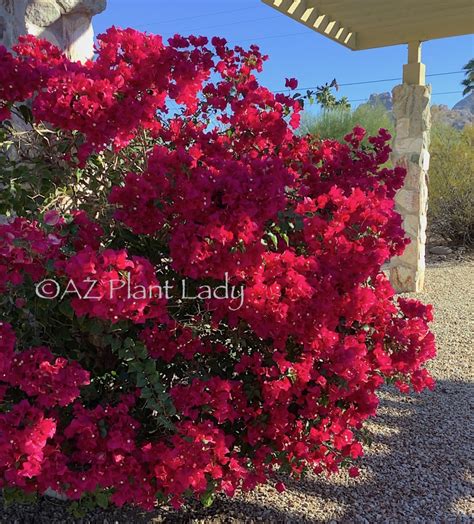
[
  {"x": 65, "y": 23},
  {"x": 411, "y": 109}
]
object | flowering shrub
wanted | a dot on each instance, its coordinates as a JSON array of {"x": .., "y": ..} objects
[{"x": 173, "y": 165}]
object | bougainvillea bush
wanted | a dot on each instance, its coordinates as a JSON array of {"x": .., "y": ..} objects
[{"x": 250, "y": 324}]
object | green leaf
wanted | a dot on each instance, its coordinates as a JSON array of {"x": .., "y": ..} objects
[
  {"x": 94, "y": 327},
  {"x": 208, "y": 499},
  {"x": 273, "y": 238},
  {"x": 102, "y": 428},
  {"x": 141, "y": 351},
  {"x": 141, "y": 381},
  {"x": 161, "y": 497},
  {"x": 26, "y": 113},
  {"x": 147, "y": 393},
  {"x": 50, "y": 265},
  {"x": 129, "y": 343},
  {"x": 135, "y": 367},
  {"x": 150, "y": 367},
  {"x": 102, "y": 500},
  {"x": 116, "y": 344},
  {"x": 66, "y": 309},
  {"x": 123, "y": 352}
]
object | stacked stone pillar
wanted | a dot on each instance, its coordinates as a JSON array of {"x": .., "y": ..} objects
[
  {"x": 65, "y": 23},
  {"x": 411, "y": 109}
]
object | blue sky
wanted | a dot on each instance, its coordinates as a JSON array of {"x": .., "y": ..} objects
[{"x": 294, "y": 50}]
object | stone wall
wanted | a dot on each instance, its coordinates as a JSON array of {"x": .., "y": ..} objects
[
  {"x": 65, "y": 23},
  {"x": 411, "y": 108}
]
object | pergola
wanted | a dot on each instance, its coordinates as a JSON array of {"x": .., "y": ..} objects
[{"x": 366, "y": 24}]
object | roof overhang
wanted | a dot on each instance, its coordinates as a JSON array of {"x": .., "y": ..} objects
[{"x": 365, "y": 24}]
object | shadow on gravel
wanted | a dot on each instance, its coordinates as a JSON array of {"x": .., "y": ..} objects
[
  {"x": 418, "y": 467},
  {"x": 415, "y": 471}
]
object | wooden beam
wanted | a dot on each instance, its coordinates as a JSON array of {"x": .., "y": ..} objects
[
  {"x": 369, "y": 15},
  {"x": 321, "y": 23},
  {"x": 341, "y": 33},
  {"x": 298, "y": 9},
  {"x": 351, "y": 40},
  {"x": 414, "y": 73},
  {"x": 284, "y": 5},
  {"x": 312, "y": 18},
  {"x": 279, "y": 5},
  {"x": 332, "y": 29},
  {"x": 421, "y": 19},
  {"x": 414, "y": 52},
  {"x": 309, "y": 18},
  {"x": 378, "y": 23},
  {"x": 380, "y": 5},
  {"x": 383, "y": 36}
]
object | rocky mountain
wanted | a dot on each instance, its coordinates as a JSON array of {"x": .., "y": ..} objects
[
  {"x": 384, "y": 99},
  {"x": 466, "y": 104},
  {"x": 458, "y": 117}
]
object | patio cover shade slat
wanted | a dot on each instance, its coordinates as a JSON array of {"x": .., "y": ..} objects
[{"x": 365, "y": 24}]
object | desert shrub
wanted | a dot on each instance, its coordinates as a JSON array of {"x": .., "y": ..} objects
[
  {"x": 115, "y": 385},
  {"x": 336, "y": 123},
  {"x": 451, "y": 184}
]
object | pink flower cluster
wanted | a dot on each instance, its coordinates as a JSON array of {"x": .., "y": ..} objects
[
  {"x": 170, "y": 339},
  {"x": 49, "y": 382},
  {"x": 109, "y": 98},
  {"x": 216, "y": 206},
  {"x": 88, "y": 234},
  {"x": 110, "y": 285},
  {"x": 25, "y": 249},
  {"x": 229, "y": 191},
  {"x": 24, "y": 431}
]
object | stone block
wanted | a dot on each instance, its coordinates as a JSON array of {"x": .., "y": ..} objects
[
  {"x": 42, "y": 13},
  {"x": 65, "y": 23},
  {"x": 407, "y": 146},
  {"x": 411, "y": 256},
  {"x": 441, "y": 250},
  {"x": 411, "y": 108},
  {"x": 408, "y": 201},
  {"x": 411, "y": 225},
  {"x": 411, "y": 101},
  {"x": 414, "y": 177},
  {"x": 79, "y": 36},
  {"x": 407, "y": 279},
  {"x": 423, "y": 193},
  {"x": 425, "y": 160},
  {"x": 46, "y": 33},
  {"x": 89, "y": 7},
  {"x": 402, "y": 128}
]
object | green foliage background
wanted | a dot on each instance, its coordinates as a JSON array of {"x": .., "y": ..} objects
[
  {"x": 336, "y": 123},
  {"x": 451, "y": 184},
  {"x": 451, "y": 174}
]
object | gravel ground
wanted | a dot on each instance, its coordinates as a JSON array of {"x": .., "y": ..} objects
[{"x": 418, "y": 470}]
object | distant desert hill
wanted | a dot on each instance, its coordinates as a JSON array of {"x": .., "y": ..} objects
[
  {"x": 459, "y": 116},
  {"x": 466, "y": 104}
]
